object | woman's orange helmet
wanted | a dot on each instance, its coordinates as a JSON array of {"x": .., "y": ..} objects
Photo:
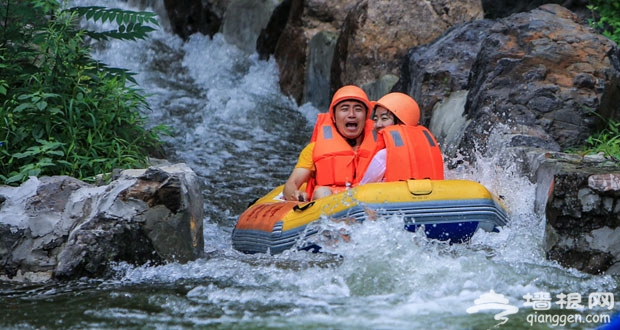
[
  {"x": 350, "y": 92},
  {"x": 403, "y": 106}
]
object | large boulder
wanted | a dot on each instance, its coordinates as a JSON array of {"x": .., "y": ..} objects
[
  {"x": 580, "y": 197},
  {"x": 62, "y": 228},
  {"x": 546, "y": 77},
  {"x": 540, "y": 79},
  {"x": 432, "y": 72},
  {"x": 377, "y": 34}
]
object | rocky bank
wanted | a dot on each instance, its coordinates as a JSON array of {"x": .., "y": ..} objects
[{"x": 62, "y": 228}]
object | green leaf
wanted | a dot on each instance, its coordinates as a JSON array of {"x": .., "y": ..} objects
[
  {"x": 41, "y": 105},
  {"x": 98, "y": 15},
  {"x": 23, "y": 107}
]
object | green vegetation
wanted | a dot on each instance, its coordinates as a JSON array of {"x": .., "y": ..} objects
[
  {"x": 606, "y": 141},
  {"x": 606, "y": 20},
  {"x": 62, "y": 112}
]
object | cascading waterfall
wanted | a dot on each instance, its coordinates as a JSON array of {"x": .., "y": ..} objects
[{"x": 236, "y": 130}]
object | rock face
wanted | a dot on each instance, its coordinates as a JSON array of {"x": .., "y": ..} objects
[
  {"x": 63, "y": 228},
  {"x": 377, "y": 34},
  {"x": 433, "y": 71},
  {"x": 301, "y": 36},
  {"x": 544, "y": 76},
  {"x": 364, "y": 40},
  {"x": 581, "y": 200}
]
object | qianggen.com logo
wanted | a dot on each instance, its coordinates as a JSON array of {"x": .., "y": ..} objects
[{"x": 541, "y": 302}]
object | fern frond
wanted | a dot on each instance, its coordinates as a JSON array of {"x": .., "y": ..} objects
[
  {"x": 132, "y": 25},
  {"x": 120, "y": 16},
  {"x": 122, "y": 74}
]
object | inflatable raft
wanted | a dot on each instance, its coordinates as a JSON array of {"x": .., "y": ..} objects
[{"x": 447, "y": 210}]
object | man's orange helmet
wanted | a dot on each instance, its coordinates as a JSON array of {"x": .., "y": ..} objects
[{"x": 350, "y": 92}]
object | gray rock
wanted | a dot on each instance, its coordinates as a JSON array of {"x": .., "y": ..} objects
[{"x": 62, "y": 228}]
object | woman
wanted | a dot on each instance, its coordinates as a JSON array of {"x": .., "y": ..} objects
[{"x": 405, "y": 150}]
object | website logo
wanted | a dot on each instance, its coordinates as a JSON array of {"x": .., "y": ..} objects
[
  {"x": 494, "y": 301},
  {"x": 546, "y": 310}
]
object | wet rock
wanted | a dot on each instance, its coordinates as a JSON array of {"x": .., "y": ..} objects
[
  {"x": 187, "y": 17},
  {"x": 433, "y": 71},
  {"x": 376, "y": 35},
  {"x": 63, "y": 228},
  {"x": 269, "y": 36},
  {"x": 580, "y": 198},
  {"x": 546, "y": 71},
  {"x": 320, "y": 55}
]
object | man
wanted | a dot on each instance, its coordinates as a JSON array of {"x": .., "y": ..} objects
[{"x": 340, "y": 150}]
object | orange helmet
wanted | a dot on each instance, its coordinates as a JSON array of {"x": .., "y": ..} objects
[
  {"x": 403, "y": 106},
  {"x": 350, "y": 92}
]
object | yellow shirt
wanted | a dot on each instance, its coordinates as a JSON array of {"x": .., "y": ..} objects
[{"x": 305, "y": 158}]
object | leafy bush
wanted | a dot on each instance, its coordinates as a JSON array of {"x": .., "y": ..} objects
[
  {"x": 606, "y": 141},
  {"x": 607, "y": 18},
  {"x": 61, "y": 112}
]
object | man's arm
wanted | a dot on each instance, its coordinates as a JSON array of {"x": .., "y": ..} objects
[{"x": 298, "y": 177}]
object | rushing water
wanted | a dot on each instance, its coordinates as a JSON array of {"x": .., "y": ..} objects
[{"x": 232, "y": 126}]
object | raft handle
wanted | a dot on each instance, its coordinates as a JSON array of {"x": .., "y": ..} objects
[
  {"x": 420, "y": 187},
  {"x": 298, "y": 208}
]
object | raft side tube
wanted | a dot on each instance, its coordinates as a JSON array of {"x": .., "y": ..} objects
[
  {"x": 432, "y": 212},
  {"x": 258, "y": 241},
  {"x": 454, "y": 220}
]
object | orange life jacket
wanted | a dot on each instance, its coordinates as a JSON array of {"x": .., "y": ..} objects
[
  {"x": 412, "y": 153},
  {"x": 337, "y": 164}
]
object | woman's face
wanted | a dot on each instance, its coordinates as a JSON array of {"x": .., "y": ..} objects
[
  {"x": 383, "y": 118},
  {"x": 350, "y": 117}
]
